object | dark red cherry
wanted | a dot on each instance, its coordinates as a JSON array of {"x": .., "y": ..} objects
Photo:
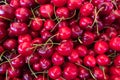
[
  {"x": 101, "y": 47},
  {"x": 55, "y": 72},
  {"x": 59, "y": 3},
  {"x": 117, "y": 60},
  {"x": 103, "y": 60},
  {"x": 97, "y": 2},
  {"x": 46, "y": 10},
  {"x": 37, "y": 67},
  {"x": 115, "y": 43},
  {"x": 15, "y": 3},
  {"x": 13, "y": 72},
  {"x": 86, "y": 9},
  {"x": 89, "y": 61},
  {"x": 10, "y": 44},
  {"x": 65, "y": 47},
  {"x": 70, "y": 71},
  {"x": 23, "y": 14},
  {"x": 27, "y": 3},
  {"x": 62, "y": 12},
  {"x": 115, "y": 71},
  {"x": 36, "y": 24},
  {"x": 64, "y": 32},
  {"x": 49, "y": 24},
  {"x": 74, "y": 4},
  {"x": 25, "y": 49},
  {"x": 40, "y": 77},
  {"x": 18, "y": 28},
  {"x": 1, "y": 49},
  {"x": 7, "y": 12},
  {"x": 35, "y": 58},
  {"x": 3, "y": 68},
  {"x": 57, "y": 59}
]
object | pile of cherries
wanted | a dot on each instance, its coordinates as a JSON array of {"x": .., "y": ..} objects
[{"x": 59, "y": 39}]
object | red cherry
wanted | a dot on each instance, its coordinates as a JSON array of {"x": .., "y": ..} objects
[
  {"x": 115, "y": 43},
  {"x": 54, "y": 72},
  {"x": 101, "y": 47},
  {"x": 46, "y": 10},
  {"x": 59, "y": 3},
  {"x": 3, "y": 68},
  {"x": 14, "y": 72},
  {"x": 25, "y": 49},
  {"x": 27, "y": 3},
  {"x": 117, "y": 60},
  {"x": 89, "y": 61},
  {"x": 37, "y": 67},
  {"x": 15, "y": 3},
  {"x": 115, "y": 71},
  {"x": 49, "y": 24}
]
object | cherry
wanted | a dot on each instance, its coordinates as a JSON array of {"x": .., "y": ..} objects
[
  {"x": 114, "y": 43},
  {"x": 1, "y": 49},
  {"x": 3, "y": 68},
  {"x": 97, "y": 2},
  {"x": 24, "y": 38},
  {"x": 14, "y": 72},
  {"x": 73, "y": 56},
  {"x": 63, "y": 23},
  {"x": 36, "y": 24},
  {"x": 103, "y": 60},
  {"x": 26, "y": 76},
  {"x": 54, "y": 72},
  {"x": 65, "y": 32},
  {"x": 34, "y": 34},
  {"x": 57, "y": 59},
  {"x": 18, "y": 62},
  {"x": 23, "y": 14},
  {"x": 45, "y": 63},
  {"x": 65, "y": 47},
  {"x": 49, "y": 24},
  {"x": 35, "y": 58},
  {"x": 115, "y": 77},
  {"x": 98, "y": 73},
  {"x": 40, "y": 77},
  {"x": 59, "y": 3},
  {"x": 46, "y": 10},
  {"x": 86, "y": 9},
  {"x": 115, "y": 71},
  {"x": 89, "y": 61},
  {"x": 10, "y": 44},
  {"x": 88, "y": 38},
  {"x": 37, "y": 41},
  {"x": 27, "y": 3},
  {"x": 62, "y": 12},
  {"x": 15, "y": 4},
  {"x": 82, "y": 50},
  {"x": 25, "y": 49},
  {"x": 6, "y": 12},
  {"x": 83, "y": 73},
  {"x": 70, "y": 71},
  {"x": 18, "y": 28},
  {"x": 101, "y": 47},
  {"x": 36, "y": 67},
  {"x": 117, "y": 60},
  {"x": 74, "y": 4},
  {"x": 85, "y": 23},
  {"x": 3, "y": 32}
]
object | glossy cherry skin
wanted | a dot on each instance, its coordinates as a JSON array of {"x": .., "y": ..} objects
[
  {"x": 59, "y": 3},
  {"x": 49, "y": 24},
  {"x": 86, "y": 9},
  {"x": 37, "y": 67},
  {"x": 115, "y": 43},
  {"x": 74, "y": 56},
  {"x": 18, "y": 62},
  {"x": 15, "y": 3},
  {"x": 117, "y": 60},
  {"x": 3, "y": 32},
  {"x": 65, "y": 47},
  {"x": 85, "y": 23},
  {"x": 35, "y": 58},
  {"x": 24, "y": 38},
  {"x": 36, "y": 24},
  {"x": 37, "y": 41},
  {"x": 25, "y": 49},
  {"x": 97, "y": 2},
  {"x": 62, "y": 12},
  {"x": 55, "y": 72},
  {"x": 40, "y": 77},
  {"x": 64, "y": 32},
  {"x": 3, "y": 68},
  {"x": 23, "y": 14},
  {"x": 88, "y": 38},
  {"x": 83, "y": 73},
  {"x": 14, "y": 72},
  {"x": 57, "y": 59},
  {"x": 27, "y": 3},
  {"x": 6, "y": 12},
  {"x": 111, "y": 32},
  {"x": 82, "y": 50},
  {"x": 45, "y": 63},
  {"x": 103, "y": 60},
  {"x": 101, "y": 47},
  {"x": 98, "y": 73},
  {"x": 10, "y": 44},
  {"x": 18, "y": 28},
  {"x": 70, "y": 71},
  {"x": 46, "y": 10},
  {"x": 115, "y": 71},
  {"x": 74, "y": 4},
  {"x": 89, "y": 61}
]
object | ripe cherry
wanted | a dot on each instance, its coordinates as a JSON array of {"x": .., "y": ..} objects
[
  {"x": 14, "y": 72},
  {"x": 15, "y": 3},
  {"x": 37, "y": 67},
  {"x": 59, "y": 3},
  {"x": 49, "y": 24},
  {"x": 117, "y": 60},
  {"x": 27, "y": 3}
]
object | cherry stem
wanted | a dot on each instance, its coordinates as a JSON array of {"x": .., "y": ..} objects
[
  {"x": 9, "y": 62},
  {"x": 6, "y": 75},
  {"x": 97, "y": 30},
  {"x": 114, "y": 2},
  {"x": 33, "y": 13},
  {"x": 5, "y": 18},
  {"x": 103, "y": 69},
  {"x": 80, "y": 40},
  {"x": 2, "y": 55},
  {"x": 30, "y": 66}
]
